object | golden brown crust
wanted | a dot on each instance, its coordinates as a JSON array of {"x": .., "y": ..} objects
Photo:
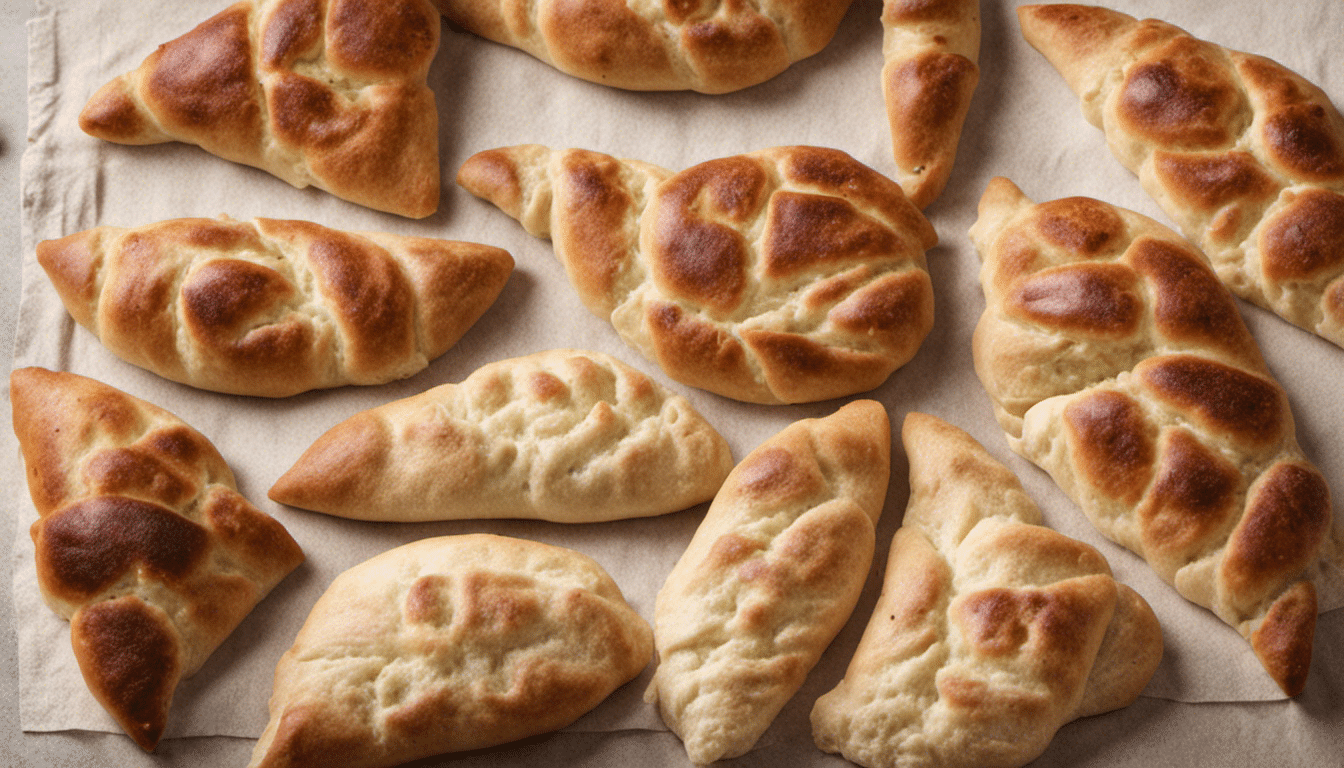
[
  {"x": 324, "y": 92},
  {"x": 563, "y": 435},
  {"x": 448, "y": 644},
  {"x": 1244, "y": 154},
  {"x": 272, "y": 308},
  {"x": 1166, "y": 429},
  {"x": 777, "y": 564},
  {"x": 142, "y": 541},
  {"x": 991, "y": 631},
  {"x": 785, "y": 275},
  {"x": 710, "y": 46},
  {"x": 930, "y": 52}
]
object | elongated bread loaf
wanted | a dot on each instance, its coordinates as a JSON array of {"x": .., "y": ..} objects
[
  {"x": 991, "y": 632},
  {"x": 328, "y": 93},
  {"x": 1246, "y": 156},
  {"x": 272, "y": 308},
  {"x": 930, "y": 50},
  {"x": 1119, "y": 364},
  {"x": 769, "y": 578},
  {"x": 786, "y": 275},
  {"x": 710, "y": 46},
  {"x": 143, "y": 541},
  {"x": 449, "y": 644},
  {"x": 564, "y": 435}
]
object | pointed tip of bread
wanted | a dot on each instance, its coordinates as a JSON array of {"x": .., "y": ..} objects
[
  {"x": 1284, "y": 639},
  {"x": 111, "y": 114},
  {"x": 72, "y": 263},
  {"x": 1076, "y": 39},
  {"x": 497, "y": 175}
]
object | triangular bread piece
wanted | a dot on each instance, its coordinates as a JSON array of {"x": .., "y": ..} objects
[
  {"x": 143, "y": 541},
  {"x": 786, "y": 275},
  {"x": 771, "y": 575},
  {"x": 1118, "y": 363},
  {"x": 991, "y": 631},
  {"x": 1246, "y": 156},
  {"x": 563, "y": 435},
  {"x": 330, "y": 93},
  {"x": 713, "y": 47},
  {"x": 929, "y": 73},
  {"x": 272, "y": 308}
]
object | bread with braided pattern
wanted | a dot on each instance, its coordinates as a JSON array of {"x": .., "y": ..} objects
[
  {"x": 991, "y": 631},
  {"x": 786, "y": 275},
  {"x": 930, "y": 50},
  {"x": 328, "y": 93},
  {"x": 1246, "y": 156},
  {"x": 143, "y": 542},
  {"x": 1119, "y": 364},
  {"x": 710, "y": 46},
  {"x": 272, "y": 308}
]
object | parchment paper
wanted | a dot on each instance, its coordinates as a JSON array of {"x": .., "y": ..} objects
[{"x": 1024, "y": 124}]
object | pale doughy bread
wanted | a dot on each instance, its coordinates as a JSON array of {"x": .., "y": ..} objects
[
  {"x": 449, "y": 644},
  {"x": 929, "y": 52},
  {"x": 143, "y": 541},
  {"x": 991, "y": 632},
  {"x": 564, "y": 435},
  {"x": 710, "y": 46},
  {"x": 769, "y": 578},
  {"x": 272, "y": 308},
  {"x": 1246, "y": 156},
  {"x": 1119, "y": 364},
  {"x": 787, "y": 275},
  {"x": 328, "y": 93}
]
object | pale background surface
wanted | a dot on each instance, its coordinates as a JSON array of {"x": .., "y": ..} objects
[{"x": 1024, "y": 124}]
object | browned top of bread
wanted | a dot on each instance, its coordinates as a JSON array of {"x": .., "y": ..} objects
[
  {"x": 1118, "y": 363},
  {"x": 448, "y": 644},
  {"x": 710, "y": 46},
  {"x": 324, "y": 92},
  {"x": 1244, "y": 154},
  {"x": 991, "y": 632},
  {"x": 269, "y": 307},
  {"x": 143, "y": 541},
  {"x": 789, "y": 274},
  {"x": 930, "y": 50},
  {"x": 770, "y": 577}
]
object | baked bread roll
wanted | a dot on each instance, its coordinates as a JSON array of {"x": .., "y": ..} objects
[
  {"x": 769, "y": 578},
  {"x": 143, "y": 542},
  {"x": 991, "y": 632},
  {"x": 710, "y": 46},
  {"x": 449, "y": 644},
  {"x": 929, "y": 52},
  {"x": 1244, "y": 155},
  {"x": 786, "y": 275},
  {"x": 565, "y": 435},
  {"x": 1119, "y": 364},
  {"x": 330, "y": 93},
  {"x": 272, "y": 308}
]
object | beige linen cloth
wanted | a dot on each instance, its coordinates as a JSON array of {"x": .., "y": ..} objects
[{"x": 1024, "y": 124}]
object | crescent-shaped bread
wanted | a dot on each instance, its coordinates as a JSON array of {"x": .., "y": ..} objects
[
  {"x": 449, "y": 644},
  {"x": 1246, "y": 156},
  {"x": 930, "y": 50},
  {"x": 710, "y": 46},
  {"x": 1117, "y": 362},
  {"x": 272, "y": 308},
  {"x": 991, "y": 631},
  {"x": 328, "y": 93},
  {"x": 786, "y": 275},
  {"x": 771, "y": 575},
  {"x": 563, "y": 435},
  {"x": 143, "y": 542}
]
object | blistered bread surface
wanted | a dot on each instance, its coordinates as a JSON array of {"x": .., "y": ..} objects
[
  {"x": 1118, "y": 363},
  {"x": 143, "y": 542},
  {"x": 562, "y": 435},
  {"x": 786, "y": 275},
  {"x": 269, "y": 307},
  {"x": 448, "y": 644}
]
